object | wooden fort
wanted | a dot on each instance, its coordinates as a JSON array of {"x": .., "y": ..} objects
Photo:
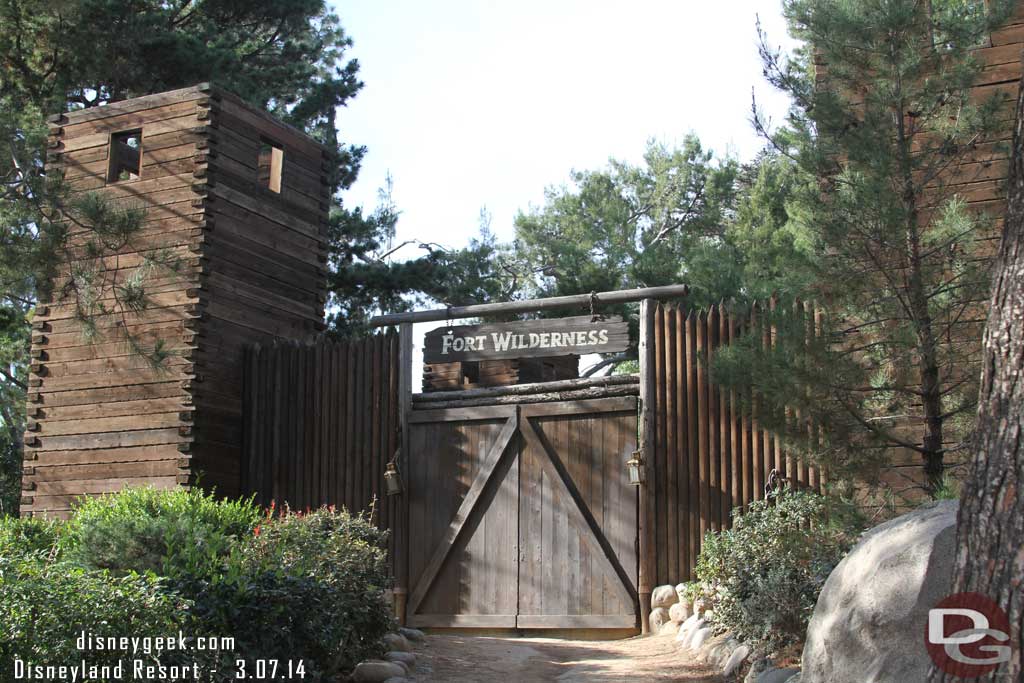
[{"x": 238, "y": 202}]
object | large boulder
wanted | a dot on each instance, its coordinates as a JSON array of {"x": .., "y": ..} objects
[
  {"x": 869, "y": 622},
  {"x": 679, "y": 612},
  {"x": 664, "y": 596},
  {"x": 658, "y": 618}
]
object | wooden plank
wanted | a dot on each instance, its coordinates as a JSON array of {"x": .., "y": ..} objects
[
  {"x": 351, "y": 414},
  {"x": 682, "y": 445},
  {"x": 459, "y": 414},
  {"x": 660, "y": 519},
  {"x": 300, "y": 142},
  {"x": 267, "y": 210},
  {"x": 525, "y": 339},
  {"x": 725, "y": 441},
  {"x": 693, "y": 439},
  {"x": 579, "y": 514},
  {"x": 575, "y": 621},
  {"x": 768, "y": 445},
  {"x": 405, "y": 364},
  {"x": 702, "y": 428},
  {"x": 647, "y": 532},
  {"x": 738, "y": 458},
  {"x": 671, "y": 446},
  {"x": 143, "y": 437},
  {"x": 462, "y": 620},
  {"x": 714, "y": 426},
  {"x": 549, "y": 399},
  {"x": 160, "y": 389},
  {"x": 136, "y": 104},
  {"x": 116, "y": 470},
  {"x": 110, "y": 424},
  {"x": 537, "y": 387},
  {"x": 625, "y": 404},
  {"x": 105, "y": 365},
  {"x": 495, "y": 454},
  {"x": 102, "y": 139},
  {"x": 117, "y": 378},
  {"x": 106, "y": 485},
  {"x": 757, "y": 450}
]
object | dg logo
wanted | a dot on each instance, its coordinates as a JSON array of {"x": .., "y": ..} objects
[{"x": 968, "y": 635}]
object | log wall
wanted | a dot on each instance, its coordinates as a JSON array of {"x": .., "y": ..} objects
[
  {"x": 250, "y": 267},
  {"x": 707, "y": 454},
  {"x": 263, "y": 273},
  {"x": 321, "y": 423}
]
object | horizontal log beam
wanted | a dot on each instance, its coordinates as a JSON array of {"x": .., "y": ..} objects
[
  {"x": 530, "y": 305},
  {"x": 547, "y": 397},
  {"x": 523, "y": 389}
]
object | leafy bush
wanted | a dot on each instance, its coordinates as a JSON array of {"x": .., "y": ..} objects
[
  {"x": 301, "y": 587},
  {"x": 29, "y": 535},
  {"x": 145, "y": 562},
  {"x": 174, "y": 532},
  {"x": 763, "y": 576},
  {"x": 45, "y": 605}
]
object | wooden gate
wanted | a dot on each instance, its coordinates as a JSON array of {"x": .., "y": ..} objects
[{"x": 522, "y": 516}]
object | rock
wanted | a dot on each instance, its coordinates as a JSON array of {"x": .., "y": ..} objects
[
  {"x": 397, "y": 679},
  {"x": 658, "y": 618},
  {"x": 687, "y": 626},
  {"x": 778, "y": 675},
  {"x": 681, "y": 592},
  {"x": 869, "y": 621},
  {"x": 700, "y": 636},
  {"x": 407, "y": 658},
  {"x": 759, "y": 664},
  {"x": 720, "y": 648},
  {"x": 679, "y": 612},
  {"x": 374, "y": 671},
  {"x": 413, "y": 634},
  {"x": 738, "y": 656},
  {"x": 664, "y": 596},
  {"x": 396, "y": 641},
  {"x": 687, "y": 642},
  {"x": 668, "y": 628}
]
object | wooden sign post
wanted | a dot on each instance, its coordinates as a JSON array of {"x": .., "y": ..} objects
[{"x": 526, "y": 339}]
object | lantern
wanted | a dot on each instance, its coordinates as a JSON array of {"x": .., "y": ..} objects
[
  {"x": 635, "y": 467},
  {"x": 392, "y": 479}
]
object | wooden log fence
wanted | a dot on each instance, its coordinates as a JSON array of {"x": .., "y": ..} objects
[
  {"x": 321, "y": 421},
  {"x": 707, "y": 449}
]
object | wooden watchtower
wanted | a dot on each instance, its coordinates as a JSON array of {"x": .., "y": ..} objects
[{"x": 238, "y": 201}]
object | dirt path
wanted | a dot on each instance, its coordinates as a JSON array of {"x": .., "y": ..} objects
[{"x": 479, "y": 659}]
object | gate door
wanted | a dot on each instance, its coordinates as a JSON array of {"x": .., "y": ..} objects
[{"x": 523, "y": 516}]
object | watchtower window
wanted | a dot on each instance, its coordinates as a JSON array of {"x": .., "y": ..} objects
[
  {"x": 271, "y": 162},
  {"x": 470, "y": 371},
  {"x": 125, "y": 156}
]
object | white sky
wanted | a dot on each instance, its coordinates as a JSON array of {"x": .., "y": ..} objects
[{"x": 476, "y": 103}]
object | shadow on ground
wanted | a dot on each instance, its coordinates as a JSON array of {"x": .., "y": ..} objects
[{"x": 465, "y": 659}]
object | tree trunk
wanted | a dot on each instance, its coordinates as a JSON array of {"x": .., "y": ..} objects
[
  {"x": 920, "y": 315},
  {"x": 990, "y": 527}
]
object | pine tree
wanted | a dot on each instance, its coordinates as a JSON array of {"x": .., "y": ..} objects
[{"x": 882, "y": 121}]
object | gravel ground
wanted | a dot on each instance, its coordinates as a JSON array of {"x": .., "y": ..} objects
[{"x": 465, "y": 659}]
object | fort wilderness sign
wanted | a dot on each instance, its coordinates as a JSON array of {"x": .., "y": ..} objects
[{"x": 526, "y": 339}]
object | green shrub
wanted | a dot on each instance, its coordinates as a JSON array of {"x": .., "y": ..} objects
[
  {"x": 45, "y": 605},
  {"x": 173, "y": 532},
  {"x": 29, "y": 535},
  {"x": 148, "y": 562},
  {"x": 763, "y": 576},
  {"x": 301, "y": 587}
]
